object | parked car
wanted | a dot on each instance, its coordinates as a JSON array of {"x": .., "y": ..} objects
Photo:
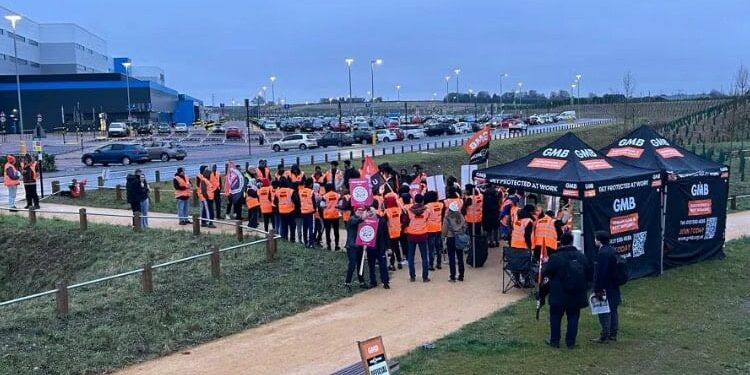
[
  {"x": 362, "y": 135},
  {"x": 438, "y": 128},
  {"x": 218, "y": 129},
  {"x": 180, "y": 128},
  {"x": 386, "y": 135},
  {"x": 124, "y": 153},
  {"x": 342, "y": 127},
  {"x": 566, "y": 116},
  {"x": 336, "y": 139},
  {"x": 295, "y": 141},
  {"x": 412, "y": 131},
  {"x": 164, "y": 151},
  {"x": 144, "y": 129},
  {"x": 269, "y": 125},
  {"x": 117, "y": 129},
  {"x": 233, "y": 132},
  {"x": 461, "y": 128},
  {"x": 516, "y": 125},
  {"x": 163, "y": 128},
  {"x": 288, "y": 126}
]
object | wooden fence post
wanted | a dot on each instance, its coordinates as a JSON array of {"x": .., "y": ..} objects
[
  {"x": 55, "y": 186},
  {"x": 733, "y": 204},
  {"x": 157, "y": 176},
  {"x": 83, "y": 190},
  {"x": 363, "y": 154},
  {"x": 32, "y": 216},
  {"x": 238, "y": 231},
  {"x": 383, "y": 150},
  {"x": 83, "y": 219},
  {"x": 195, "y": 198},
  {"x": 215, "y": 262},
  {"x": 282, "y": 161},
  {"x": 148, "y": 278},
  {"x": 270, "y": 245},
  {"x": 372, "y": 152},
  {"x": 136, "y": 221},
  {"x": 157, "y": 194},
  {"x": 100, "y": 182},
  {"x": 196, "y": 225},
  {"x": 118, "y": 193},
  {"x": 326, "y": 157},
  {"x": 62, "y": 298},
  {"x": 339, "y": 156},
  {"x": 297, "y": 161},
  {"x": 351, "y": 155}
]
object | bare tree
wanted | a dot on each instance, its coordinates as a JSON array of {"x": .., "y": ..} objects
[
  {"x": 742, "y": 81},
  {"x": 628, "y": 87}
]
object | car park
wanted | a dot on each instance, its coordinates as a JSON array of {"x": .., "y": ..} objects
[
  {"x": 181, "y": 128},
  {"x": 460, "y": 128},
  {"x": 339, "y": 139},
  {"x": 342, "y": 127},
  {"x": 164, "y": 151},
  {"x": 412, "y": 131},
  {"x": 386, "y": 135},
  {"x": 218, "y": 129},
  {"x": 144, "y": 129},
  {"x": 288, "y": 126},
  {"x": 163, "y": 128},
  {"x": 118, "y": 129},
  {"x": 295, "y": 141},
  {"x": 362, "y": 135},
  {"x": 516, "y": 125},
  {"x": 123, "y": 153},
  {"x": 233, "y": 132},
  {"x": 440, "y": 128},
  {"x": 566, "y": 116},
  {"x": 268, "y": 125}
]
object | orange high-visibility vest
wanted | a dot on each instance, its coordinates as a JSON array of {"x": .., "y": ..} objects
[
  {"x": 460, "y": 202},
  {"x": 474, "y": 212},
  {"x": 418, "y": 223},
  {"x": 32, "y": 166},
  {"x": 251, "y": 202},
  {"x": 347, "y": 213},
  {"x": 517, "y": 238},
  {"x": 335, "y": 180},
  {"x": 514, "y": 214},
  {"x": 264, "y": 172},
  {"x": 505, "y": 219},
  {"x": 184, "y": 182},
  {"x": 286, "y": 205},
  {"x": 306, "y": 202},
  {"x": 215, "y": 181},
  {"x": 297, "y": 177},
  {"x": 266, "y": 203},
  {"x": 393, "y": 216},
  {"x": 7, "y": 181},
  {"x": 332, "y": 200},
  {"x": 545, "y": 234},
  {"x": 202, "y": 181},
  {"x": 435, "y": 224}
]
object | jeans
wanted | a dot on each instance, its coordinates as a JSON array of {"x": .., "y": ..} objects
[
  {"x": 32, "y": 198},
  {"x": 493, "y": 235},
  {"x": 217, "y": 202},
  {"x": 12, "y": 196},
  {"x": 434, "y": 248},
  {"x": 455, "y": 256},
  {"x": 332, "y": 225},
  {"x": 610, "y": 322},
  {"x": 423, "y": 255},
  {"x": 555, "y": 321},
  {"x": 354, "y": 254},
  {"x": 277, "y": 224},
  {"x": 144, "y": 213},
  {"x": 182, "y": 210},
  {"x": 287, "y": 226},
  {"x": 375, "y": 255},
  {"x": 266, "y": 219},
  {"x": 298, "y": 225},
  {"x": 308, "y": 230},
  {"x": 207, "y": 212}
]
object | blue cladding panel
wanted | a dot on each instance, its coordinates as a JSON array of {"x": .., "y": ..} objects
[{"x": 183, "y": 112}]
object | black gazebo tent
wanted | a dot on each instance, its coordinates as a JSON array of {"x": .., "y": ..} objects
[
  {"x": 695, "y": 193},
  {"x": 619, "y": 198}
]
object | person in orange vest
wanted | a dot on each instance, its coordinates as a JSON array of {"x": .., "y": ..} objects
[
  {"x": 182, "y": 192},
  {"x": 276, "y": 218},
  {"x": 334, "y": 176},
  {"x": 11, "y": 180},
  {"x": 453, "y": 225},
  {"x": 307, "y": 212},
  {"x": 453, "y": 194},
  {"x": 392, "y": 214},
  {"x": 416, "y": 219},
  {"x": 265, "y": 196},
  {"x": 263, "y": 171},
  {"x": 30, "y": 172},
  {"x": 215, "y": 179},
  {"x": 318, "y": 215},
  {"x": 547, "y": 231},
  {"x": 331, "y": 215},
  {"x": 280, "y": 172},
  {"x": 510, "y": 201},
  {"x": 287, "y": 200},
  {"x": 206, "y": 197},
  {"x": 473, "y": 209},
  {"x": 522, "y": 238},
  {"x": 296, "y": 175},
  {"x": 252, "y": 201},
  {"x": 345, "y": 204},
  {"x": 434, "y": 230}
]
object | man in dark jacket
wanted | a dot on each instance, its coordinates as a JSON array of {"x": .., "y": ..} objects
[
  {"x": 376, "y": 255},
  {"x": 565, "y": 297},
  {"x": 490, "y": 215},
  {"x": 605, "y": 286},
  {"x": 354, "y": 252},
  {"x": 133, "y": 192}
]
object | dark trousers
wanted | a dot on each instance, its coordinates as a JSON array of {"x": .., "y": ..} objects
[
  {"x": 235, "y": 208},
  {"x": 610, "y": 322},
  {"x": 276, "y": 221},
  {"x": 217, "y": 203},
  {"x": 308, "y": 230},
  {"x": 395, "y": 251},
  {"x": 354, "y": 254},
  {"x": 135, "y": 206},
  {"x": 266, "y": 219},
  {"x": 288, "y": 226},
  {"x": 435, "y": 248},
  {"x": 375, "y": 255},
  {"x": 555, "y": 321},
  {"x": 455, "y": 256},
  {"x": 318, "y": 229},
  {"x": 332, "y": 224},
  {"x": 423, "y": 255},
  {"x": 32, "y": 198},
  {"x": 252, "y": 217}
]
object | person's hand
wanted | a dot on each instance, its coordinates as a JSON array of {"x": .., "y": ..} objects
[{"x": 600, "y": 294}]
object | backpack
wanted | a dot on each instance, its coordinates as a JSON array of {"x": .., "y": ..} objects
[
  {"x": 462, "y": 241},
  {"x": 621, "y": 271},
  {"x": 574, "y": 279}
]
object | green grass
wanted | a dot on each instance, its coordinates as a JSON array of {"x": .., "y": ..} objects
[
  {"x": 691, "y": 320},
  {"x": 114, "y": 324},
  {"x": 107, "y": 198}
]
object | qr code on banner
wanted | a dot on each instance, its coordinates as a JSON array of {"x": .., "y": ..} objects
[
  {"x": 639, "y": 244},
  {"x": 710, "y": 228}
]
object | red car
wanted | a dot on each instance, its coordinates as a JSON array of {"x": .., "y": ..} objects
[
  {"x": 233, "y": 133},
  {"x": 506, "y": 123},
  {"x": 343, "y": 127}
]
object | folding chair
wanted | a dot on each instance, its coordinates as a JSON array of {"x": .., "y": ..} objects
[{"x": 517, "y": 268}]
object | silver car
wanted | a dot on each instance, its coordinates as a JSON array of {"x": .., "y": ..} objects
[
  {"x": 164, "y": 151},
  {"x": 295, "y": 141}
]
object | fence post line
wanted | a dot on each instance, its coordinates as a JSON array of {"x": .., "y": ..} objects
[
  {"x": 282, "y": 161},
  {"x": 312, "y": 159},
  {"x": 419, "y": 147},
  {"x": 61, "y": 297},
  {"x": 196, "y": 225},
  {"x": 55, "y": 186},
  {"x": 118, "y": 193},
  {"x": 100, "y": 182},
  {"x": 270, "y": 245},
  {"x": 83, "y": 190},
  {"x": 157, "y": 194},
  {"x": 402, "y": 149},
  {"x": 411, "y": 148},
  {"x": 372, "y": 152},
  {"x": 83, "y": 219},
  {"x": 325, "y": 157},
  {"x": 434, "y": 145},
  {"x": 147, "y": 279},
  {"x": 363, "y": 154},
  {"x": 339, "y": 156},
  {"x": 136, "y": 221},
  {"x": 351, "y": 155},
  {"x": 428, "y": 145},
  {"x": 195, "y": 198},
  {"x": 734, "y": 202},
  {"x": 32, "y": 216},
  {"x": 297, "y": 160},
  {"x": 157, "y": 176},
  {"x": 238, "y": 231},
  {"x": 383, "y": 151},
  {"x": 215, "y": 262}
]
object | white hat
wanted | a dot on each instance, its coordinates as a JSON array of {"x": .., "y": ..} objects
[{"x": 453, "y": 206}]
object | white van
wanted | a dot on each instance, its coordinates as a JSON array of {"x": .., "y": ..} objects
[{"x": 566, "y": 115}]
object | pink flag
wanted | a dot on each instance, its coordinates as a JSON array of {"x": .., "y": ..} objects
[
  {"x": 367, "y": 232},
  {"x": 359, "y": 189}
]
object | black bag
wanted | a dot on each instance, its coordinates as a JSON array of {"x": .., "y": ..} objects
[
  {"x": 574, "y": 279},
  {"x": 480, "y": 248},
  {"x": 621, "y": 271}
]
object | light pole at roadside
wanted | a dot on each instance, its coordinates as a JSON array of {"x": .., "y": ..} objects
[
  {"x": 457, "y": 71},
  {"x": 14, "y": 18},
  {"x": 447, "y": 93},
  {"x": 398, "y": 93},
  {"x": 127, "y": 83},
  {"x": 373, "y": 62},
  {"x": 501, "y": 89},
  {"x": 578, "y": 88}
]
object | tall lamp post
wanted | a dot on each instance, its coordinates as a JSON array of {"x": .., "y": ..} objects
[
  {"x": 501, "y": 89},
  {"x": 127, "y": 83},
  {"x": 457, "y": 71},
  {"x": 447, "y": 93},
  {"x": 520, "y": 92},
  {"x": 372, "y": 82},
  {"x": 572, "y": 90},
  {"x": 273, "y": 93},
  {"x": 349, "y": 67},
  {"x": 578, "y": 88},
  {"x": 14, "y": 18},
  {"x": 398, "y": 92}
]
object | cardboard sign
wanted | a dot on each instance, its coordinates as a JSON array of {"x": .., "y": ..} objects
[
  {"x": 415, "y": 189},
  {"x": 359, "y": 189},
  {"x": 466, "y": 171},
  {"x": 373, "y": 357},
  {"x": 367, "y": 232},
  {"x": 37, "y": 146},
  {"x": 437, "y": 184}
]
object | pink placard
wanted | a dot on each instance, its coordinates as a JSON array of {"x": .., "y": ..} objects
[
  {"x": 361, "y": 194},
  {"x": 415, "y": 189},
  {"x": 367, "y": 232}
]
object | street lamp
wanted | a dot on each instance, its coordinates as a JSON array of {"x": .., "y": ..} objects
[
  {"x": 520, "y": 88},
  {"x": 434, "y": 96},
  {"x": 273, "y": 93},
  {"x": 578, "y": 85},
  {"x": 372, "y": 77},
  {"x": 457, "y": 71},
  {"x": 398, "y": 92},
  {"x": 127, "y": 83},
  {"x": 14, "y": 18},
  {"x": 447, "y": 94},
  {"x": 572, "y": 89},
  {"x": 501, "y": 89},
  {"x": 349, "y": 67}
]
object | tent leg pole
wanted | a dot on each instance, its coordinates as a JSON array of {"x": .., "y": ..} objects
[{"x": 663, "y": 222}]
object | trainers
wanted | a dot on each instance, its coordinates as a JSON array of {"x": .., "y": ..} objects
[
  {"x": 412, "y": 279},
  {"x": 386, "y": 286},
  {"x": 348, "y": 286},
  {"x": 363, "y": 286},
  {"x": 452, "y": 280},
  {"x": 426, "y": 280},
  {"x": 400, "y": 266},
  {"x": 432, "y": 268},
  {"x": 599, "y": 340}
]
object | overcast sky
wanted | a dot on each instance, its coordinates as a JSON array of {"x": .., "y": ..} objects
[{"x": 231, "y": 47}]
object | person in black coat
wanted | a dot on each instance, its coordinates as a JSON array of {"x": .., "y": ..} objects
[
  {"x": 133, "y": 192},
  {"x": 376, "y": 255},
  {"x": 605, "y": 285},
  {"x": 491, "y": 216},
  {"x": 565, "y": 299}
]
